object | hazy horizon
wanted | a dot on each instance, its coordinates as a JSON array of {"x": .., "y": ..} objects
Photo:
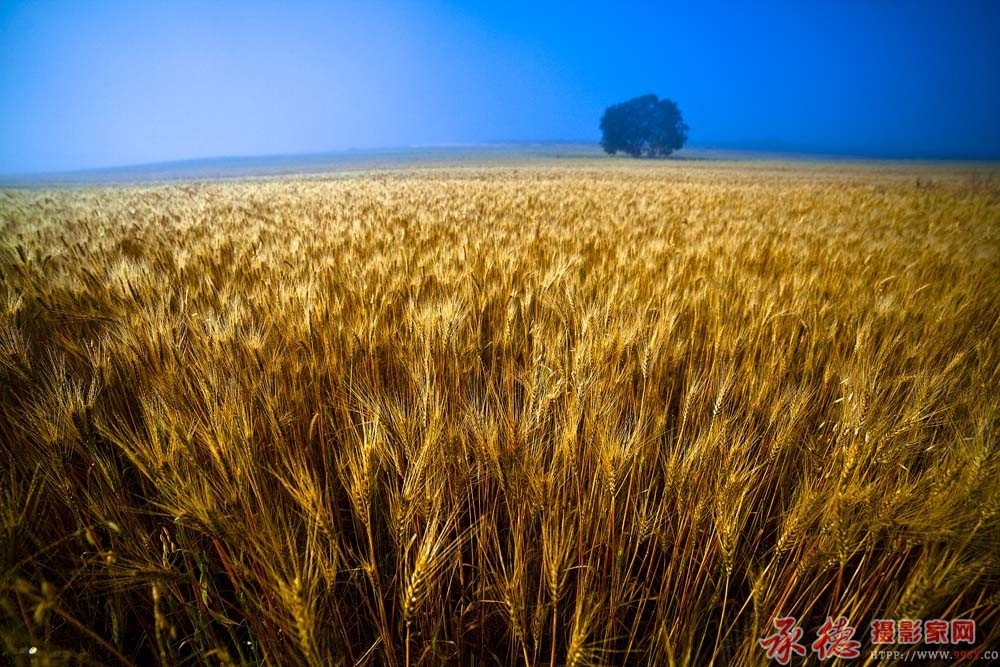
[
  {"x": 109, "y": 84},
  {"x": 426, "y": 154}
]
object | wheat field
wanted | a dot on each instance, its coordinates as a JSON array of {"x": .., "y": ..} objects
[{"x": 568, "y": 414}]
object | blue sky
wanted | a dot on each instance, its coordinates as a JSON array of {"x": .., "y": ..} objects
[{"x": 89, "y": 84}]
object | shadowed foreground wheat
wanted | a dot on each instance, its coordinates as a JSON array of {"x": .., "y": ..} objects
[{"x": 548, "y": 415}]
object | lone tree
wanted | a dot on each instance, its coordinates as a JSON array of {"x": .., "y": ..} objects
[{"x": 644, "y": 125}]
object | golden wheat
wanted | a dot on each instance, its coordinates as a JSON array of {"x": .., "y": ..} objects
[{"x": 560, "y": 415}]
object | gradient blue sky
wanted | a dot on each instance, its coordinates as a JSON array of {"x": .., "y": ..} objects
[{"x": 89, "y": 84}]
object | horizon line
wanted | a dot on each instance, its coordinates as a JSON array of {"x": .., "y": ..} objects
[{"x": 769, "y": 147}]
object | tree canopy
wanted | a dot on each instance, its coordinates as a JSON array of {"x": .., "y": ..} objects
[{"x": 644, "y": 125}]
